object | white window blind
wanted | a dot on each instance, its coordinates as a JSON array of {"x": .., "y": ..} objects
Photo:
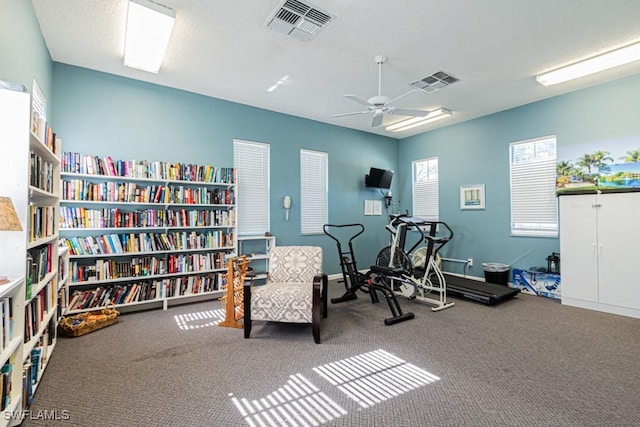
[
  {"x": 313, "y": 191},
  {"x": 534, "y": 209},
  {"x": 251, "y": 160},
  {"x": 425, "y": 189}
]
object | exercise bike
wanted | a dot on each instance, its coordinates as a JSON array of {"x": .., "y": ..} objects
[
  {"x": 354, "y": 280},
  {"x": 420, "y": 276}
]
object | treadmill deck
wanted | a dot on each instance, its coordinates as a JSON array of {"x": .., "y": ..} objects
[{"x": 484, "y": 292}]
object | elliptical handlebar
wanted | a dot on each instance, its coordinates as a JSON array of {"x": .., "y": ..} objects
[{"x": 326, "y": 228}]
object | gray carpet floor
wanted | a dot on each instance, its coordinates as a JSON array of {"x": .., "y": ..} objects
[{"x": 528, "y": 361}]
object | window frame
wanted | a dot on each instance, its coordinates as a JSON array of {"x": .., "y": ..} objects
[
  {"x": 532, "y": 188},
  {"x": 429, "y": 208},
  {"x": 253, "y": 199},
  {"x": 314, "y": 191}
]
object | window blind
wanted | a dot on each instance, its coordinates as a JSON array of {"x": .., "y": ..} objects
[
  {"x": 251, "y": 160},
  {"x": 534, "y": 209},
  {"x": 313, "y": 191},
  {"x": 425, "y": 189}
]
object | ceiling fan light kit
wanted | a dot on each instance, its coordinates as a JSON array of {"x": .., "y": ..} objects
[{"x": 381, "y": 104}]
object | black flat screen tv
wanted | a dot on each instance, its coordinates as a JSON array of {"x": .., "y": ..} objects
[{"x": 378, "y": 178}]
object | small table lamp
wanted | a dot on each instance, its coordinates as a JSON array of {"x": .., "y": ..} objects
[{"x": 8, "y": 217}]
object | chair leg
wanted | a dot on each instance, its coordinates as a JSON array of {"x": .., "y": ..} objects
[
  {"x": 325, "y": 285},
  {"x": 247, "y": 310},
  {"x": 315, "y": 326},
  {"x": 316, "y": 309}
]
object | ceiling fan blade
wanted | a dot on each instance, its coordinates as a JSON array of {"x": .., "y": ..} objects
[
  {"x": 412, "y": 94},
  {"x": 377, "y": 119},
  {"x": 351, "y": 114},
  {"x": 407, "y": 112},
  {"x": 359, "y": 100}
]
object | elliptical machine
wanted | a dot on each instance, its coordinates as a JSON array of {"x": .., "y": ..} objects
[{"x": 355, "y": 280}]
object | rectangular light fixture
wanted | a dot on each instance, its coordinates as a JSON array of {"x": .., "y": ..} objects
[
  {"x": 595, "y": 64},
  {"x": 413, "y": 122},
  {"x": 149, "y": 27}
]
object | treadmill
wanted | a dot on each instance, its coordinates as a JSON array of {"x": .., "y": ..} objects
[{"x": 484, "y": 292}]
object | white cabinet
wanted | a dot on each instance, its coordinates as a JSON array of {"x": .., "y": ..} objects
[{"x": 598, "y": 246}]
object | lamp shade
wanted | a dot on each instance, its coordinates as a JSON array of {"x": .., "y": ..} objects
[{"x": 9, "y": 220}]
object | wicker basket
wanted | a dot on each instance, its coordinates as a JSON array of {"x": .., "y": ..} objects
[{"x": 83, "y": 323}]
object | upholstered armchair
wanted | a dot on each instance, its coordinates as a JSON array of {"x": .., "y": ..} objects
[{"x": 295, "y": 292}]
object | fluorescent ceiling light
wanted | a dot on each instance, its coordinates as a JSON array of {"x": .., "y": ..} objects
[
  {"x": 434, "y": 115},
  {"x": 149, "y": 27},
  {"x": 602, "y": 62}
]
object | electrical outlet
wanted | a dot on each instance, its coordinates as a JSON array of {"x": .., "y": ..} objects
[{"x": 470, "y": 262}]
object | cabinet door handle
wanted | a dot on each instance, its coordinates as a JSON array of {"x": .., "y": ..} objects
[
  {"x": 593, "y": 248},
  {"x": 600, "y": 248}
]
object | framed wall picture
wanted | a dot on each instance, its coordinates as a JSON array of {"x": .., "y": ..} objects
[{"x": 472, "y": 196}]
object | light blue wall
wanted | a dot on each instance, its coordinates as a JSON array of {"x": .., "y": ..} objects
[
  {"x": 23, "y": 53},
  {"x": 476, "y": 152},
  {"x": 102, "y": 114}
]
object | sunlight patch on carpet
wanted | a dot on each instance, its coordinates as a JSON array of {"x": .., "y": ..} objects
[
  {"x": 199, "y": 319},
  {"x": 297, "y": 403},
  {"x": 374, "y": 377}
]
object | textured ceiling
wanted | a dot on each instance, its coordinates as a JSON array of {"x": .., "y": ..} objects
[{"x": 223, "y": 49}]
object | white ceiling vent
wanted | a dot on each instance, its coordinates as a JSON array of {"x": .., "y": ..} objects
[
  {"x": 434, "y": 82},
  {"x": 299, "y": 19}
]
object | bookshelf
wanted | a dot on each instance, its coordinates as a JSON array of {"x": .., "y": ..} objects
[
  {"x": 257, "y": 248},
  {"x": 144, "y": 233},
  {"x": 28, "y": 257}
]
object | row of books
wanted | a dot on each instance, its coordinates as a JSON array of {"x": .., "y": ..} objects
[
  {"x": 34, "y": 365},
  {"x": 109, "y": 244},
  {"x": 111, "y": 269},
  {"x": 6, "y": 331},
  {"x": 143, "y": 290},
  {"x": 40, "y": 173},
  {"x": 39, "y": 264},
  {"x": 44, "y": 132},
  {"x": 146, "y": 266},
  {"x": 42, "y": 222},
  {"x": 5, "y": 384},
  {"x": 119, "y": 294},
  {"x": 81, "y": 217},
  {"x": 130, "y": 192},
  {"x": 36, "y": 311},
  {"x": 95, "y": 165}
]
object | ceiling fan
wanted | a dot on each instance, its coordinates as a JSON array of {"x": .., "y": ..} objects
[{"x": 380, "y": 104}]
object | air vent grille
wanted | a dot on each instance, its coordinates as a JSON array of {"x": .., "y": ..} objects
[
  {"x": 296, "y": 6},
  {"x": 434, "y": 82},
  {"x": 319, "y": 17},
  {"x": 287, "y": 16},
  {"x": 300, "y": 20}
]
